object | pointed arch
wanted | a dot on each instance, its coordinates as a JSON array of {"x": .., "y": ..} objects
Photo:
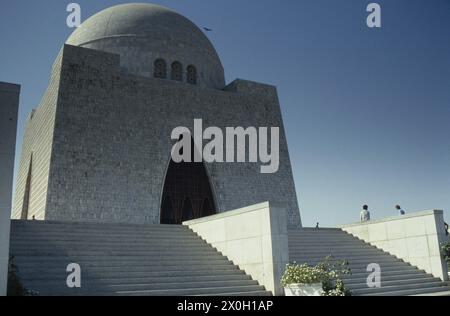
[{"x": 187, "y": 186}]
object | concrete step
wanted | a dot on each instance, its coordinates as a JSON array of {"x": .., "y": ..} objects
[
  {"x": 124, "y": 260},
  {"x": 181, "y": 285},
  {"x": 92, "y": 229},
  {"x": 243, "y": 291},
  {"x": 385, "y": 270},
  {"x": 88, "y": 288},
  {"x": 323, "y": 231},
  {"x": 320, "y": 233},
  {"x": 351, "y": 258},
  {"x": 240, "y": 291},
  {"x": 311, "y": 248},
  {"x": 61, "y": 277},
  {"x": 188, "y": 292},
  {"x": 53, "y": 229},
  {"x": 399, "y": 282},
  {"x": 389, "y": 266},
  {"x": 416, "y": 291},
  {"x": 113, "y": 261},
  {"x": 94, "y": 243},
  {"x": 114, "y": 272},
  {"x": 398, "y": 277},
  {"x": 150, "y": 251},
  {"x": 79, "y": 252},
  {"x": 240, "y": 294},
  {"x": 148, "y": 267},
  {"x": 327, "y": 247},
  {"x": 43, "y": 231},
  {"x": 362, "y": 274},
  {"x": 444, "y": 293},
  {"x": 330, "y": 229},
  {"x": 335, "y": 253},
  {"x": 126, "y": 276},
  {"x": 108, "y": 248},
  {"x": 221, "y": 276},
  {"x": 108, "y": 238},
  {"x": 363, "y": 262},
  {"x": 401, "y": 287},
  {"x": 30, "y": 225},
  {"x": 21, "y": 224},
  {"x": 318, "y": 238}
]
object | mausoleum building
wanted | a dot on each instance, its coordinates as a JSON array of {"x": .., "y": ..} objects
[
  {"x": 98, "y": 147},
  {"x": 98, "y": 188}
]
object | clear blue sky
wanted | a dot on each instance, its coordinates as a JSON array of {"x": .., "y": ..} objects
[{"x": 367, "y": 112}]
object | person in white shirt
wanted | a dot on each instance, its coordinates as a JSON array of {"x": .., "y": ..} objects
[{"x": 365, "y": 214}]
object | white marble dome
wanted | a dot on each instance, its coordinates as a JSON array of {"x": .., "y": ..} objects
[{"x": 142, "y": 34}]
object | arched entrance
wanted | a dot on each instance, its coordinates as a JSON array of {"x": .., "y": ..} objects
[{"x": 187, "y": 193}]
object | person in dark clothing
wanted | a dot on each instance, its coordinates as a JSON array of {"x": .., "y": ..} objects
[{"x": 400, "y": 210}]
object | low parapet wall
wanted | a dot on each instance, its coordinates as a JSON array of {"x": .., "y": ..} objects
[
  {"x": 254, "y": 238},
  {"x": 416, "y": 238}
]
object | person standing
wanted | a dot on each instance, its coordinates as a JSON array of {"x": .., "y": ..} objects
[
  {"x": 365, "y": 214},
  {"x": 400, "y": 210}
]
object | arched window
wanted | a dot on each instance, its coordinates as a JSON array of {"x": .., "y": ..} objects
[
  {"x": 160, "y": 69},
  {"x": 177, "y": 71},
  {"x": 191, "y": 75}
]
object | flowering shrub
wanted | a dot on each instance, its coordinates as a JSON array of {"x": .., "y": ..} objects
[
  {"x": 328, "y": 272},
  {"x": 302, "y": 274}
]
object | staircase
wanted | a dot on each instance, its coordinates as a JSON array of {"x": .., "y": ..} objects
[
  {"x": 398, "y": 278},
  {"x": 124, "y": 260}
]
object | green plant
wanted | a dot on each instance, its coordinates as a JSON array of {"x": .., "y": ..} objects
[
  {"x": 334, "y": 270},
  {"x": 15, "y": 287},
  {"x": 328, "y": 272},
  {"x": 301, "y": 274},
  {"x": 336, "y": 289},
  {"x": 445, "y": 249}
]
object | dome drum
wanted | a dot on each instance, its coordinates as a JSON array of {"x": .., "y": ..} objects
[{"x": 144, "y": 33}]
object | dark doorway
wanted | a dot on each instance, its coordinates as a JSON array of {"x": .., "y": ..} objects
[{"x": 187, "y": 193}]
